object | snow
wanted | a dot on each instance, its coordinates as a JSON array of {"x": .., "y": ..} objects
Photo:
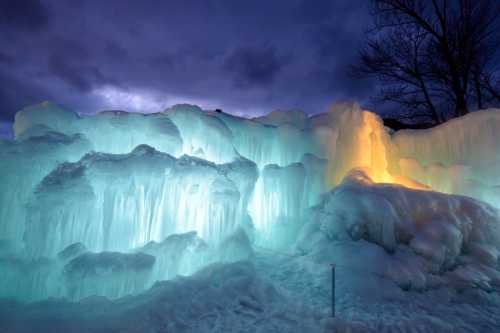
[
  {"x": 270, "y": 295},
  {"x": 197, "y": 221},
  {"x": 220, "y": 298}
]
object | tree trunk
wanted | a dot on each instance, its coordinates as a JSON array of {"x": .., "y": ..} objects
[
  {"x": 461, "y": 105},
  {"x": 479, "y": 94}
]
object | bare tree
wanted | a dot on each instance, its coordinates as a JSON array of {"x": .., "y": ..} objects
[{"x": 434, "y": 57}]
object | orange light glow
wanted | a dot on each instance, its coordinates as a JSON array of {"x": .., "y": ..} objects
[{"x": 360, "y": 140}]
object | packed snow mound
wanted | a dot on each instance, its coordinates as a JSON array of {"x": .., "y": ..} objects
[
  {"x": 418, "y": 239},
  {"x": 118, "y": 202},
  {"x": 220, "y": 298}
]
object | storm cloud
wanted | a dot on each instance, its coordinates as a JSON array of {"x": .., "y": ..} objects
[{"x": 246, "y": 58}]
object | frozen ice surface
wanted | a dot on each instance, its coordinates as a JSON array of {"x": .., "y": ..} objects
[
  {"x": 178, "y": 254},
  {"x": 76, "y": 273},
  {"x": 295, "y": 118},
  {"x": 203, "y": 135},
  {"x": 270, "y": 144},
  {"x": 23, "y": 164},
  {"x": 461, "y": 156},
  {"x": 27, "y": 279},
  {"x": 276, "y": 208},
  {"x": 419, "y": 240},
  {"x": 109, "y": 274},
  {"x": 251, "y": 213},
  {"x": 118, "y": 202},
  {"x": 236, "y": 247},
  {"x": 115, "y": 132},
  {"x": 45, "y": 115}
]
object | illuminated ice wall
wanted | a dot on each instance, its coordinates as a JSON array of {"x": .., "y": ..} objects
[{"x": 109, "y": 204}]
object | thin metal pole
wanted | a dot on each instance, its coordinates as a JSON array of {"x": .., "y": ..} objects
[{"x": 333, "y": 290}]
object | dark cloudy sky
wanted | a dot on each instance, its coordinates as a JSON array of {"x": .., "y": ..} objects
[{"x": 246, "y": 57}]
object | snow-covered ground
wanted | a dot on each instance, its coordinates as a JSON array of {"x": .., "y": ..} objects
[
  {"x": 220, "y": 298},
  {"x": 271, "y": 294}
]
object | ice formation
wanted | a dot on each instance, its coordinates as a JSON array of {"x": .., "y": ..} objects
[
  {"x": 23, "y": 165},
  {"x": 461, "y": 156},
  {"x": 429, "y": 238},
  {"x": 76, "y": 272},
  {"x": 118, "y": 202},
  {"x": 458, "y": 157},
  {"x": 114, "y": 132},
  {"x": 111, "y": 204}
]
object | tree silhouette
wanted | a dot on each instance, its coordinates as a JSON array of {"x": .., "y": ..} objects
[{"x": 435, "y": 58}]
